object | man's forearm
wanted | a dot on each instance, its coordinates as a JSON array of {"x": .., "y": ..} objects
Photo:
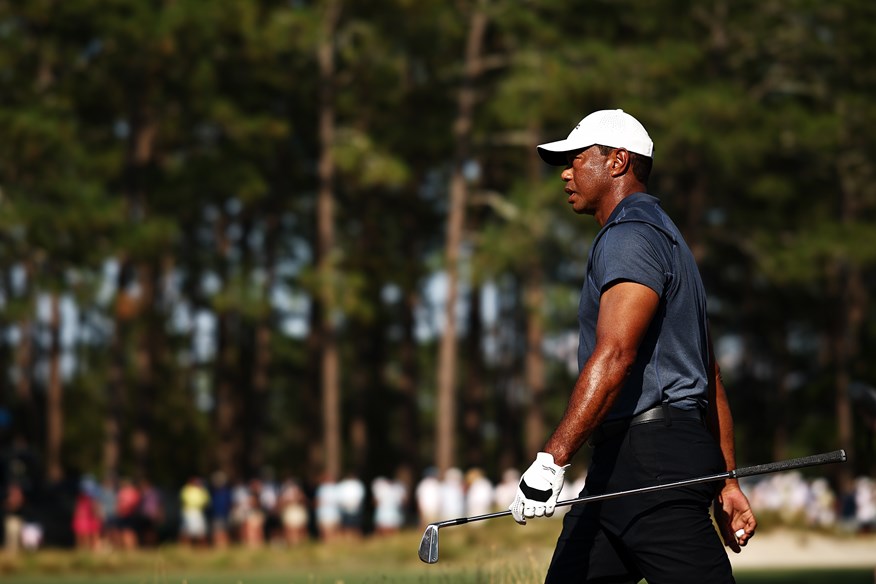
[
  {"x": 721, "y": 423},
  {"x": 724, "y": 431},
  {"x": 625, "y": 313},
  {"x": 594, "y": 393}
]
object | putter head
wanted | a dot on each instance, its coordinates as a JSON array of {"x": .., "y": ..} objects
[{"x": 428, "y": 551}]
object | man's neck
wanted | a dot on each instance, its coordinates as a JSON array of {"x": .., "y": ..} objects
[{"x": 611, "y": 201}]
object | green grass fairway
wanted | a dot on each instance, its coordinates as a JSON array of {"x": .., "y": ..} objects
[
  {"x": 412, "y": 576},
  {"x": 860, "y": 576},
  {"x": 495, "y": 553}
]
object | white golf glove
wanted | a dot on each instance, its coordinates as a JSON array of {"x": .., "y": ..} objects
[{"x": 538, "y": 489}]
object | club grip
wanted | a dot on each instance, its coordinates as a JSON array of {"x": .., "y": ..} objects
[{"x": 815, "y": 459}]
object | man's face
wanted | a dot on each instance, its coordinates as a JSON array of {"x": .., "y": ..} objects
[{"x": 586, "y": 179}]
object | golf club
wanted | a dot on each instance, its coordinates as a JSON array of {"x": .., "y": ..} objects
[{"x": 428, "y": 551}]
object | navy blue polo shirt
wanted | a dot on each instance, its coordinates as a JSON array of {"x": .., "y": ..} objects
[{"x": 640, "y": 243}]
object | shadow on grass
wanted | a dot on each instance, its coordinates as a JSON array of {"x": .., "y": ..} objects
[
  {"x": 498, "y": 553},
  {"x": 844, "y": 576}
]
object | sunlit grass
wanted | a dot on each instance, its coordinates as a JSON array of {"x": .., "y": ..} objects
[
  {"x": 499, "y": 552},
  {"x": 496, "y": 552}
]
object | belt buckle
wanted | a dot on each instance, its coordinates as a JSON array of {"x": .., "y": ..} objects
[{"x": 667, "y": 414}]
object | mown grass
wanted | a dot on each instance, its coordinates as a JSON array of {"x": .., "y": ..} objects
[{"x": 494, "y": 553}]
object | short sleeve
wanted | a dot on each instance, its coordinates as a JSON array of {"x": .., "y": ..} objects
[{"x": 634, "y": 252}]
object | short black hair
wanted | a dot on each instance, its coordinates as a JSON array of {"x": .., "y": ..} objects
[{"x": 641, "y": 165}]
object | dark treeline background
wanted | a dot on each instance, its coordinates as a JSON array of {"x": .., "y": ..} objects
[{"x": 230, "y": 231}]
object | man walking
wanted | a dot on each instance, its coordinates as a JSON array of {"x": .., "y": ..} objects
[{"x": 649, "y": 397}]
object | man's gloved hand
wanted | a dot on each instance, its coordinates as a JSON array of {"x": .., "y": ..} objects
[{"x": 538, "y": 489}]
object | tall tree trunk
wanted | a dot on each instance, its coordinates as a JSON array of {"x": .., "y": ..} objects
[
  {"x": 533, "y": 301},
  {"x": 125, "y": 309},
  {"x": 144, "y": 138},
  {"x": 367, "y": 424},
  {"x": 54, "y": 396},
  {"x": 329, "y": 359},
  {"x": 311, "y": 399},
  {"x": 144, "y": 367},
  {"x": 24, "y": 360},
  {"x": 445, "y": 451},
  {"x": 230, "y": 452},
  {"x": 260, "y": 387},
  {"x": 780, "y": 406},
  {"x": 474, "y": 393},
  {"x": 853, "y": 169},
  {"x": 6, "y": 364},
  {"x": 130, "y": 305},
  {"x": 845, "y": 350},
  {"x": 509, "y": 397},
  {"x": 408, "y": 351},
  {"x": 409, "y": 382},
  {"x": 24, "y": 384},
  {"x": 261, "y": 368},
  {"x": 695, "y": 210}
]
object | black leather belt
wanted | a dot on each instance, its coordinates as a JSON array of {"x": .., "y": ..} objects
[{"x": 658, "y": 413}]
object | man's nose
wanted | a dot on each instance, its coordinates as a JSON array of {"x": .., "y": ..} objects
[{"x": 566, "y": 175}]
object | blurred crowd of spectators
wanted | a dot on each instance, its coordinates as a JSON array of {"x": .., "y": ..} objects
[
  {"x": 215, "y": 512},
  {"x": 203, "y": 512},
  {"x": 794, "y": 500}
]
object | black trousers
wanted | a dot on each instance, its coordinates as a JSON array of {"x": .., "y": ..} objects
[{"x": 666, "y": 537}]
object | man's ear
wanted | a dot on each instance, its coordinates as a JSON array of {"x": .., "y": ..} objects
[{"x": 620, "y": 162}]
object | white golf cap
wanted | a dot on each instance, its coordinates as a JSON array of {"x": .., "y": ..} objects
[{"x": 612, "y": 128}]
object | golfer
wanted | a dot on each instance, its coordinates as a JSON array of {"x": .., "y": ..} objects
[{"x": 649, "y": 397}]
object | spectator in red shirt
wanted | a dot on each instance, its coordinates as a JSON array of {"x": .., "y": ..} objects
[{"x": 127, "y": 508}]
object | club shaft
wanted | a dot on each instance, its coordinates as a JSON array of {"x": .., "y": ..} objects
[
  {"x": 829, "y": 457},
  {"x": 594, "y": 498}
]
